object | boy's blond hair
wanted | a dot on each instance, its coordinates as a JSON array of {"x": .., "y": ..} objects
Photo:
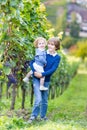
[{"x": 37, "y": 40}]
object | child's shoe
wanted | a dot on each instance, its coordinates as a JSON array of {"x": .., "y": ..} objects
[
  {"x": 42, "y": 88},
  {"x": 26, "y": 79}
]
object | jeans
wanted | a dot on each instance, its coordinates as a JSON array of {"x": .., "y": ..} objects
[{"x": 41, "y": 99}]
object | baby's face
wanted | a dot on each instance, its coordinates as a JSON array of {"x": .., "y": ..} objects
[{"x": 41, "y": 44}]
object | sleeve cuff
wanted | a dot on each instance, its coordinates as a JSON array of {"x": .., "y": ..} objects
[{"x": 43, "y": 74}]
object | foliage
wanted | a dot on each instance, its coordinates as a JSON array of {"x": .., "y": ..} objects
[
  {"x": 43, "y": 0},
  {"x": 51, "y": 13},
  {"x": 81, "y": 49},
  {"x": 60, "y": 23},
  {"x": 74, "y": 26},
  {"x": 74, "y": 29},
  {"x": 21, "y": 22},
  {"x": 23, "y": 25},
  {"x": 52, "y": 10},
  {"x": 68, "y": 42},
  {"x": 66, "y": 112},
  {"x": 62, "y": 77}
]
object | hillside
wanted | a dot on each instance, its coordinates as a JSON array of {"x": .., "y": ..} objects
[{"x": 53, "y": 7}]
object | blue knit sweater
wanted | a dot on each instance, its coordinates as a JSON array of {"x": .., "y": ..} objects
[{"x": 51, "y": 66}]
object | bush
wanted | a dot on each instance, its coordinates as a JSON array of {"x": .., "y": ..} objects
[
  {"x": 74, "y": 29},
  {"x": 68, "y": 42},
  {"x": 62, "y": 77},
  {"x": 82, "y": 49}
]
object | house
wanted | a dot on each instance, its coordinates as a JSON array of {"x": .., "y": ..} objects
[{"x": 81, "y": 15}]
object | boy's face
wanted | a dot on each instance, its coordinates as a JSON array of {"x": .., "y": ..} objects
[
  {"x": 51, "y": 47},
  {"x": 41, "y": 44}
]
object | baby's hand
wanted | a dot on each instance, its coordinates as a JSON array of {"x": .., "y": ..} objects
[{"x": 37, "y": 74}]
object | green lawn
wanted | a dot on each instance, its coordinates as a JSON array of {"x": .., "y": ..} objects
[
  {"x": 70, "y": 108},
  {"x": 67, "y": 112}
]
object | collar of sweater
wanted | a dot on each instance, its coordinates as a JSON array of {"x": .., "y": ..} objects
[{"x": 51, "y": 54}]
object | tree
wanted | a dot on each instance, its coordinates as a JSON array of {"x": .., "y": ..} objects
[
  {"x": 74, "y": 29},
  {"x": 60, "y": 23},
  {"x": 74, "y": 26}
]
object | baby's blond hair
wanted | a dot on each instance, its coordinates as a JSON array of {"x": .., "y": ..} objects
[{"x": 37, "y": 40}]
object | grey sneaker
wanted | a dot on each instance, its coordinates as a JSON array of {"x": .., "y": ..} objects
[
  {"x": 31, "y": 119},
  {"x": 42, "y": 88},
  {"x": 26, "y": 79},
  {"x": 44, "y": 119}
]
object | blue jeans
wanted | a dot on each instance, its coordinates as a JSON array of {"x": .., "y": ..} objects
[{"x": 41, "y": 99}]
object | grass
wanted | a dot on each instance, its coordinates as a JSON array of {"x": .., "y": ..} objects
[
  {"x": 72, "y": 103},
  {"x": 71, "y": 106},
  {"x": 67, "y": 112}
]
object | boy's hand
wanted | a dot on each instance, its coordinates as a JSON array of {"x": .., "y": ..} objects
[{"x": 37, "y": 74}]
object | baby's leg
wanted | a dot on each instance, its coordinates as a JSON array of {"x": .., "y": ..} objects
[
  {"x": 29, "y": 74},
  {"x": 26, "y": 79},
  {"x": 42, "y": 87}
]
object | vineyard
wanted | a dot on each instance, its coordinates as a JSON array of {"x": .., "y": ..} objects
[{"x": 21, "y": 21}]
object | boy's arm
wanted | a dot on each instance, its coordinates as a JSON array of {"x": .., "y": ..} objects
[
  {"x": 53, "y": 68},
  {"x": 31, "y": 65}
]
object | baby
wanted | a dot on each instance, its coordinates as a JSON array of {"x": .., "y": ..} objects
[{"x": 40, "y": 60}]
